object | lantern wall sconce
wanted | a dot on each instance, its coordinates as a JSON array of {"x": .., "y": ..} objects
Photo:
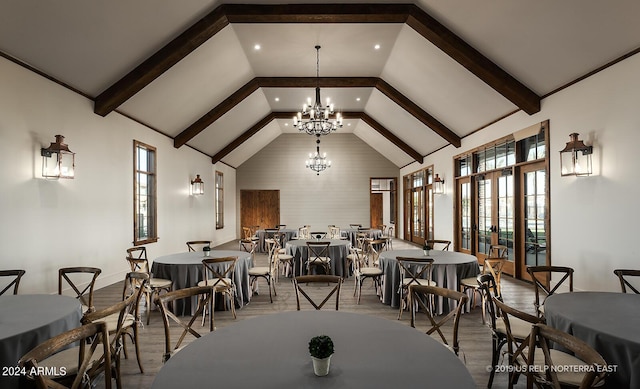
[
  {"x": 197, "y": 186},
  {"x": 575, "y": 158},
  {"x": 438, "y": 185},
  {"x": 57, "y": 160}
]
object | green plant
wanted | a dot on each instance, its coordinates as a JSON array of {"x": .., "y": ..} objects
[
  {"x": 321, "y": 346},
  {"x": 426, "y": 247},
  {"x": 206, "y": 248}
]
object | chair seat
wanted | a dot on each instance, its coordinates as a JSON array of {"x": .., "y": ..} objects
[
  {"x": 371, "y": 271},
  {"x": 520, "y": 329},
  {"x": 471, "y": 282},
  {"x": 219, "y": 285},
  {"x": 320, "y": 260},
  {"x": 259, "y": 270},
  {"x": 420, "y": 281},
  {"x": 282, "y": 251},
  {"x": 285, "y": 257},
  {"x": 160, "y": 283},
  {"x": 112, "y": 321}
]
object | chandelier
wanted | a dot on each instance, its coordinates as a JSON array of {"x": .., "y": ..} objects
[
  {"x": 317, "y": 119},
  {"x": 317, "y": 162}
]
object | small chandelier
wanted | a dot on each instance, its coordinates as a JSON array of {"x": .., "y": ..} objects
[
  {"x": 57, "y": 160},
  {"x": 575, "y": 158},
  {"x": 317, "y": 119},
  {"x": 317, "y": 162}
]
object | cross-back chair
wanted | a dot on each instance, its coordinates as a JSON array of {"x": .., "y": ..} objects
[
  {"x": 219, "y": 275},
  {"x": 518, "y": 334},
  {"x": 198, "y": 245},
  {"x": 541, "y": 276},
  {"x": 589, "y": 367},
  {"x": 303, "y": 233},
  {"x": 249, "y": 241},
  {"x": 493, "y": 265},
  {"x": 413, "y": 271},
  {"x": 316, "y": 280},
  {"x": 624, "y": 275},
  {"x": 74, "y": 277},
  {"x": 138, "y": 262},
  {"x": 438, "y": 244},
  {"x": 421, "y": 294},
  {"x": 268, "y": 273},
  {"x": 318, "y": 234},
  {"x": 334, "y": 233},
  {"x": 362, "y": 270},
  {"x": 15, "y": 276},
  {"x": 120, "y": 318},
  {"x": 205, "y": 299},
  {"x": 391, "y": 233},
  {"x": 318, "y": 255},
  {"x": 90, "y": 357}
]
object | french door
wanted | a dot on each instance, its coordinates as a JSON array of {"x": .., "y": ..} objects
[{"x": 533, "y": 182}]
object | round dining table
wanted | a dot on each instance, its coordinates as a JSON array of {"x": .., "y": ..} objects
[
  {"x": 338, "y": 251},
  {"x": 186, "y": 270},
  {"x": 271, "y": 351},
  {"x": 28, "y": 320},
  {"x": 449, "y": 267},
  {"x": 609, "y": 322},
  {"x": 288, "y": 234},
  {"x": 351, "y": 234}
]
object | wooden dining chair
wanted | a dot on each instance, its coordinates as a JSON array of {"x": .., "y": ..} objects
[
  {"x": 138, "y": 262},
  {"x": 74, "y": 276},
  {"x": 317, "y": 279},
  {"x": 438, "y": 244},
  {"x": 421, "y": 295},
  {"x": 413, "y": 271},
  {"x": 268, "y": 273},
  {"x": 589, "y": 368},
  {"x": 89, "y": 358},
  {"x": 362, "y": 270},
  {"x": 205, "y": 301},
  {"x": 219, "y": 274},
  {"x": 318, "y": 255},
  {"x": 541, "y": 276},
  {"x": 198, "y": 245},
  {"x": 623, "y": 275},
  {"x": 14, "y": 277}
]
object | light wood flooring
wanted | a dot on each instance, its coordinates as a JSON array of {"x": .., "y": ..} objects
[{"x": 475, "y": 338}]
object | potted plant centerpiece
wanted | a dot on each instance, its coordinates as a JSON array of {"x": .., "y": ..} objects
[
  {"x": 425, "y": 249},
  {"x": 321, "y": 349},
  {"x": 206, "y": 250}
]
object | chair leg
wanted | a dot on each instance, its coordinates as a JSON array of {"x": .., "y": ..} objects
[{"x": 137, "y": 346}]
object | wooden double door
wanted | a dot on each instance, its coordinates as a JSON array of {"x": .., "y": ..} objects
[{"x": 260, "y": 208}]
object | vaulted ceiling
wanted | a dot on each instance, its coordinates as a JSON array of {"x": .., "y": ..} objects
[{"x": 409, "y": 78}]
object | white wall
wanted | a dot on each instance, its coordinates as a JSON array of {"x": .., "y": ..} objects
[
  {"x": 339, "y": 195},
  {"x": 88, "y": 221},
  {"x": 593, "y": 219}
]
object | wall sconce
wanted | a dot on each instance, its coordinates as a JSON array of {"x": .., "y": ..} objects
[
  {"x": 57, "y": 160},
  {"x": 438, "y": 185},
  {"x": 197, "y": 186},
  {"x": 575, "y": 158}
]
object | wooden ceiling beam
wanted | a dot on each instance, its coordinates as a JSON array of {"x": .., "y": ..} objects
[
  {"x": 474, "y": 61},
  {"x": 346, "y": 115}
]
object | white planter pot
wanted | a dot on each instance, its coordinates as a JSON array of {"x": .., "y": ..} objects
[{"x": 321, "y": 366}]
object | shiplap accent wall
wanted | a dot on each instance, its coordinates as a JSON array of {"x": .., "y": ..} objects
[{"x": 339, "y": 195}]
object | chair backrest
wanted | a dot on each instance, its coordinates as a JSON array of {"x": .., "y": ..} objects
[
  {"x": 74, "y": 277},
  {"x": 91, "y": 338},
  {"x": 438, "y": 244},
  {"x": 246, "y": 233},
  {"x": 418, "y": 293},
  {"x": 137, "y": 252},
  {"x": 541, "y": 276},
  {"x": 391, "y": 230},
  {"x": 359, "y": 260},
  {"x": 303, "y": 233},
  {"x": 334, "y": 232},
  {"x": 414, "y": 269},
  {"x": 15, "y": 276},
  {"x": 281, "y": 226},
  {"x": 542, "y": 337},
  {"x": 498, "y": 251},
  {"x": 489, "y": 289},
  {"x": 270, "y": 232},
  {"x": 378, "y": 245},
  {"x": 317, "y": 250},
  {"x": 494, "y": 267},
  {"x": 318, "y": 234},
  {"x": 623, "y": 276},
  {"x": 220, "y": 270},
  {"x": 362, "y": 241},
  {"x": 516, "y": 346},
  {"x": 198, "y": 245},
  {"x": 355, "y": 225},
  {"x": 317, "y": 279},
  {"x": 204, "y": 294}
]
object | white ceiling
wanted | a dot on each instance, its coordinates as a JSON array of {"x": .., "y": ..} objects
[{"x": 544, "y": 44}]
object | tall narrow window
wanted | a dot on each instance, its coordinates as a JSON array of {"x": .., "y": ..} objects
[
  {"x": 219, "y": 200},
  {"x": 144, "y": 194}
]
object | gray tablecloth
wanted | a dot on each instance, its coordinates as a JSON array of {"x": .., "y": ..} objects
[
  {"x": 272, "y": 352},
  {"x": 352, "y": 233},
  {"x": 449, "y": 267},
  {"x": 262, "y": 234},
  {"x": 186, "y": 270},
  {"x": 338, "y": 251},
  {"x": 608, "y": 322},
  {"x": 28, "y": 320}
]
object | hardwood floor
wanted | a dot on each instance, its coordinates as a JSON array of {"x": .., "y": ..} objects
[{"x": 475, "y": 338}]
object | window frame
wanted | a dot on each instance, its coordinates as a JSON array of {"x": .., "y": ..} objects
[
  {"x": 219, "y": 199},
  {"x": 152, "y": 201}
]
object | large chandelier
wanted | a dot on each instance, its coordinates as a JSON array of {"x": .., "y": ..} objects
[
  {"x": 317, "y": 162},
  {"x": 317, "y": 119}
]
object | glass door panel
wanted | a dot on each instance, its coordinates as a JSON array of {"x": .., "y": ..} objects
[
  {"x": 535, "y": 234},
  {"x": 464, "y": 215},
  {"x": 484, "y": 225}
]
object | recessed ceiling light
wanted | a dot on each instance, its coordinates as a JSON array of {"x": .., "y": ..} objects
[
  {"x": 277, "y": 99},
  {"x": 377, "y": 47},
  {"x": 348, "y": 124},
  {"x": 357, "y": 99},
  {"x": 286, "y": 124},
  {"x": 256, "y": 47}
]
